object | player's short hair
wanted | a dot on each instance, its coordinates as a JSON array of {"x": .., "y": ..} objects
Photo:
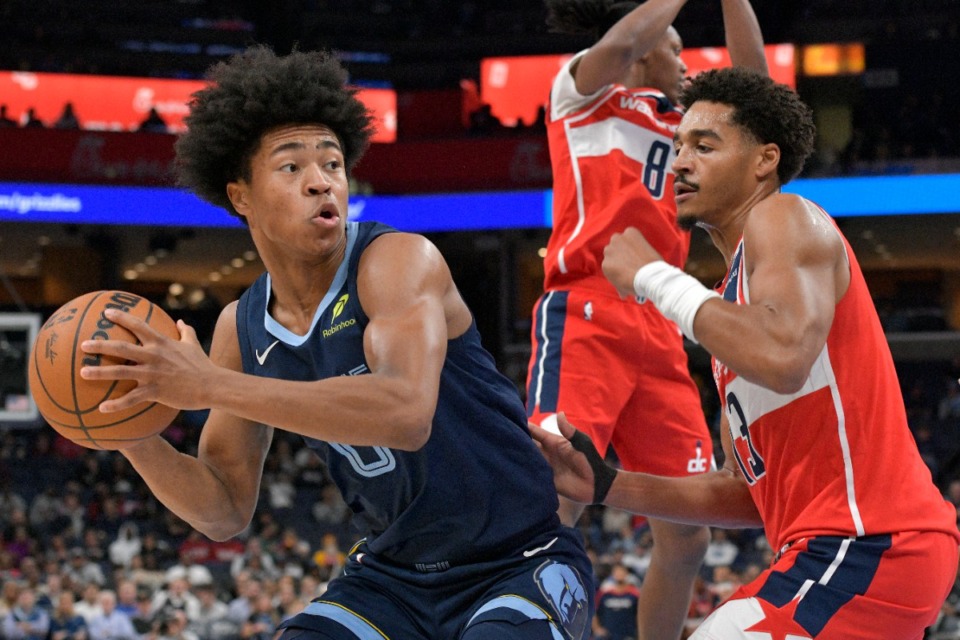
[
  {"x": 769, "y": 111},
  {"x": 586, "y": 17},
  {"x": 252, "y": 93}
]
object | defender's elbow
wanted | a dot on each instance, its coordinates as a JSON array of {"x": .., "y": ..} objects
[{"x": 415, "y": 435}]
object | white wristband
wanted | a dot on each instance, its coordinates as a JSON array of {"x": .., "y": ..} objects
[{"x": 676, "y": 294}]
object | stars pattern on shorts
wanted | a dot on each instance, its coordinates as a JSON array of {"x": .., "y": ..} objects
[{"x": 779, "y": 622}]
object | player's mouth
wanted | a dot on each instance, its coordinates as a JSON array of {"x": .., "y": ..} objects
[
  {"x": 683, "y": 190},
  {"x": 328, "y": 215}
]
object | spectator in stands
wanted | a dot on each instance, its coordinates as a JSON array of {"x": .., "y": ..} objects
[
  {"x": 193, "y": 572},
  {"x": 31, "y": 575},
  {"x": 248, "y": 589},
  {"x": 212, "y": 621},
  {"x": 484, "y": 123},
  {"x": 153, "y": 123},
  {"x": 262, "y": 621},
  {"x": 88, "y": 605},
  {"x": 48, "y": 594},
  {"x": 292, "y": 554},
  {"x": 26, "y": 621},
  {"x": 65, "y": 622},
  {"x": 311, "y": 587},
  {"x": 176, "y": 596},
  {"x": 330, "y": 558},
  {"x": 5, "y": 120},
  {"x": 330, "y": 510},
  {"x": 111, "y": 624},
  {"x": 616, "y": 615},
  {"x": 32, "y": 121},
  {"x": 10, "y": 502},
  {"x": 287, "y": 599},
  {"x": 127, "y": 597},
  {"x": 125, "y": 546},
  {"x": 720, "y": 551},
  {"x": 45, "y": 509},
  {"x": 144, "y": 621},
  {"x": 68, "y": 119},
  {"x": 81, "y": 570},
  {"x": 256, "y": 560},
  {"x": 8, "y": 596},
  {"x": 175, "y": 627},
  {"x": 71, "y": 518}
]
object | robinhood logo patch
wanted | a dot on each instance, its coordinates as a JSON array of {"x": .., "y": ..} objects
[{"x": 337, "y": 310}]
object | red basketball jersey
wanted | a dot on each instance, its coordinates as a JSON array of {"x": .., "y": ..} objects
[
  {"x": 837, "y": 457},
  {"x": 611, "y": 154}
]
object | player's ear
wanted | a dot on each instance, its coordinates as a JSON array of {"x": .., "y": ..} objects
[
  {"x": 237, "y": 193},
  {"x": 768, "y": 160}
]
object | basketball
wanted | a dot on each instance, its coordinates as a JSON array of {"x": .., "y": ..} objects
[{"x": 70, "y": 403}]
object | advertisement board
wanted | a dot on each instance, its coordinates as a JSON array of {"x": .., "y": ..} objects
[
  {"x": 515, "y": 87},
  {"x": 121, "y": 103}
]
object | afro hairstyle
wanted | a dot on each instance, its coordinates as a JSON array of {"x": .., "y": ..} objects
[{"x": 252, "y": 93}]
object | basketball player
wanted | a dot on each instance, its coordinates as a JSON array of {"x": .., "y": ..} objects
[
  {"x": 357, "y": 339},
  {"x": 610, "y": 121},
  {"x": 814, "y": 430}
]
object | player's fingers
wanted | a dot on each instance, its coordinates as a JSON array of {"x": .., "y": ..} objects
[
  {"x": 112, "y": 348},
  {"x": 111, "y": 372},
  {"x": 538, "y": 434},
  {"x": 187, "y": 332},
  {"x": 137, "y": 326},
  {"x": 566, "y": 429},
  {"x": 133, "y": 397}
]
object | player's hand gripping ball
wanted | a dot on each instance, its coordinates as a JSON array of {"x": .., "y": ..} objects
[{"x": 70, "y": 403}]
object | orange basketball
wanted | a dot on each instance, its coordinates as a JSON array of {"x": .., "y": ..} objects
[{"x": 70, "y": 403}]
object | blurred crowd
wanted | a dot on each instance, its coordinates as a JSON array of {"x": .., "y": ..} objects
[{"x": 87, "y": 553}]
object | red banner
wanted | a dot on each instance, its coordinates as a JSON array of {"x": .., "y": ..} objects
[
  {"x": 113, "y": 103},
  {"x": 515, "y": 87},
  {"x": 122, "y": 158}
]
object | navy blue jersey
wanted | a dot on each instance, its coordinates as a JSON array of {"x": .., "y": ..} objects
[{"x": 478, "y": 489}]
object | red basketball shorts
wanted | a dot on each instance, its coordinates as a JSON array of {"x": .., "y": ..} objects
[
  {"x": 883, "y": 587},
  {"x": 618, "y": 370}
]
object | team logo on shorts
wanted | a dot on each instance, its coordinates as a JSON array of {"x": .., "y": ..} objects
[{"x": 562, "y": 587}]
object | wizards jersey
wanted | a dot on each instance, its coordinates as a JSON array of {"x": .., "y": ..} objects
[
  {"x": 611, "y": 154},
  {"x": 478, "y": 489},
  {"x": 836, "y": 458}
]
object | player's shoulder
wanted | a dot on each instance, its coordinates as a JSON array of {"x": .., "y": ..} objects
[
  {"x": 399, "y": 247},
  {"x": 787, "y": 219},
  {"x": 784, "y": 211}
]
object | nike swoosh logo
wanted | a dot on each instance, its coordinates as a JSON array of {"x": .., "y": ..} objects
[
  {"x": 262, "y": 357},
  {"x": 533, "y": 552}
]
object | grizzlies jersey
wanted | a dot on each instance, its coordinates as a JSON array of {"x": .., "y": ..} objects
[
  {"x": 478, "y": 489},
  {"x": 836, "y": 458}
]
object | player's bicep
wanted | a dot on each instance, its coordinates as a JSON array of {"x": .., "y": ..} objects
[
  {"x": 790, "y": 264},
  {"x": 403, "y": 283}
]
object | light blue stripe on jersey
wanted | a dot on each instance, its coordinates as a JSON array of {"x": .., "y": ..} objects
[
  {"x": 278, "y": 330},
  {"x": 520, "y": 605},
  {"x": 362, "y": 629}
]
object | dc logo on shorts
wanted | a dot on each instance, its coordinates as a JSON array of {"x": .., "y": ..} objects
[{"x": 563, "y": 588}]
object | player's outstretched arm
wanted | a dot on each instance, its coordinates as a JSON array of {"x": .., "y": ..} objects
[
  {"x": 408, "y": 294},
  {"x": 718, "y": 498},
  {"x": 624, "y": 43},
  {"x": 743, "y": 36}
]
